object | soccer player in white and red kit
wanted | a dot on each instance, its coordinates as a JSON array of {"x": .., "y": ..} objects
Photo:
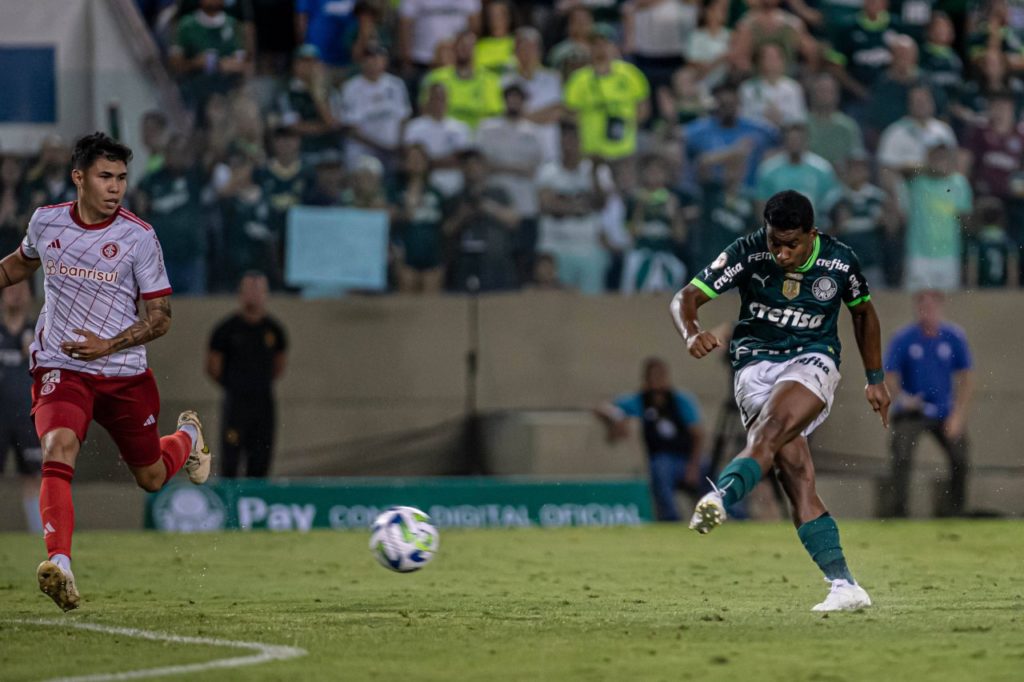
[{"x": 88, "y": 358}]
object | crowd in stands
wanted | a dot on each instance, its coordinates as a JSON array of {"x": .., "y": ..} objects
[{"x": 595, "y": 145}]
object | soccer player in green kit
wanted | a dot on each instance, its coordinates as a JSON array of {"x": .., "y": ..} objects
[{"x": 785, "y": 350}]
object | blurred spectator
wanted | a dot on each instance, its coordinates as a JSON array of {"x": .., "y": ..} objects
[
  {"x": 831, "y": 134},
  {"x": 771, "y": 95},
  {"x": 994, "y": 35},
  {"x": 303, "y": 105},
  {"x": 170, "y": 198},
  {"x": 242, "y": 11},
  {"x": 328, "y": 185},
  {"x": 929, "y": 371},
  {"x": 997, "y": 147},
  {"x": 938, "y": 204},
  {"x": 473, "y": 94},
  {"x": 576, "y": 45},
  {"x": 545, "y": 274},
  {"x": 13, "y": 220},
  {"x": 860, "y": 51},
  {"x": 726, "y": 206},
  {"x": 373, "y": 27},
  {"x": 572, "y": 194},
  {"x": 373, "y": 107},
  {"x": 326, "y": 24},
  {"x": 706, "y": 137},
  {"x": 904, "y": 144},
  {"x": 942, "y": 65},
  {"x": 246, "y": 357},
  {"x": 609, "y": 98},
  {"x": 425, "y": 23},
  {"x": 442, "y": 137},
  {"x": 249, "y": 243},
  {"x": 860, "y": 217},
  {"x": 765, "y": 22},
  {"x": 514, "y": 149},
  {"x": 366, "y": 185},
  {"x": 284, "y": 180},
  {"x": 543, "y": 87},
  {"x": 208, "y": 53},
  {"x": 993, "y": 77},
  {"x": 494, "y": 51},
  {"x": 797, "y": 169},
  {"x": 889, "y": 93},
  {"x": 48, "y": 181},
  {"x": 990, "y": 250},
  {"x": 419, "y": 215},
  {"x": 17, "y": 432},
  {"x": 655, "y": 35},
  {"x": 708, "y": 46},
  {"x": 483, "y": 224},
  {"x": 658, "y": 229},
  {"x": 673, "y": 435},
  {"x": 154, "y": 139},
  {"x": 914, "y": 17},
  {"x": 684, "y": 101},
  {"x": 274, "y": 43}
]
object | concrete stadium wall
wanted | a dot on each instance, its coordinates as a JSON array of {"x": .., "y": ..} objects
[{"x": 367, "y": 368}]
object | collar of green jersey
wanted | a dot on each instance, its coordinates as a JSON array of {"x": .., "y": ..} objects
[
  {"x": 814, "y": 255},
  {"x": 877, "y": 24}
]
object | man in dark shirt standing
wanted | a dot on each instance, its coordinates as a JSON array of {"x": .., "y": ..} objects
[
  {"x": 246, "y": 356},
  {"x": 16, "y": 429}
]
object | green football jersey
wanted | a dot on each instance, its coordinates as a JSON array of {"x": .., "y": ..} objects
[{"x": 783, "y": 315}]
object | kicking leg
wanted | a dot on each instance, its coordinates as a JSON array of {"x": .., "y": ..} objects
[
  {"x": 816, "y": 527},
  {"x": 186, "y": 448},
  {"x": 791, "y": 408}
]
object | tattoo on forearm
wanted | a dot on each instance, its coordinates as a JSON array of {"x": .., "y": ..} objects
[{"x": 153, "y": 326}]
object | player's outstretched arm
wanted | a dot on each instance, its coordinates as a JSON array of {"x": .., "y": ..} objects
[
  {"x": 868, "y": 331},
  {"x": 684, "y": 316},
  {"x": 153, "y": 325},
  {"x": 15, "y": 267}
]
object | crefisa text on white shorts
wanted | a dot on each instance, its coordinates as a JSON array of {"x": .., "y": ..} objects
[{"x": 816, "y": 371}]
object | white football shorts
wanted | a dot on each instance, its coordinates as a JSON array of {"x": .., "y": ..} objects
[{"x": 755, "y": 382}]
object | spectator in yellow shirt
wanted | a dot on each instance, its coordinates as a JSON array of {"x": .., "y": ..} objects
[
  {"x": 473, "y": 94},
  {"x": 609, "y": 97},
  {"x": 495, "y": 49}
]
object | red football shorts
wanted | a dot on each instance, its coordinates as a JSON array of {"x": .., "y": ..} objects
[{"x": 127, "y": 407}]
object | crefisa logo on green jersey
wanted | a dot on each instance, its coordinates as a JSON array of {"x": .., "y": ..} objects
[{"x": 786, "y": 317}]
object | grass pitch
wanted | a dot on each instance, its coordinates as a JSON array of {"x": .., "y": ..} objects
[{"x": 651, "y": 603}]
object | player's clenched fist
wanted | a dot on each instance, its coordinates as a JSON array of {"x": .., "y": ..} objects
[{"x": 701, "y": 344}]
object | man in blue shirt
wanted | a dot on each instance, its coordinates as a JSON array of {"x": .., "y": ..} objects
[
  {"x": 709, "y": 140},
  {"x": 929, "y": 371},
  {"x": 672, "y": 431}
]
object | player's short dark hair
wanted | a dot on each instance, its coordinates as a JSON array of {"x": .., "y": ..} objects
[
  {"x": 789, "y": 210},
  {"x": 91, "y": 147}
]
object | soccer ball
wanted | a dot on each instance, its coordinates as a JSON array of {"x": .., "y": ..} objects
[{"x": 403, "y": 539}]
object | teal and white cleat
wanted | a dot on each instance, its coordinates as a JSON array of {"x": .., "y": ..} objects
[
  {"x": 709, "y": 512},
  {"x": 844, "y": 596}
]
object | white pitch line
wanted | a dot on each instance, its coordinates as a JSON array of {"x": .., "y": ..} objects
[{"x": 265, "y": 652}]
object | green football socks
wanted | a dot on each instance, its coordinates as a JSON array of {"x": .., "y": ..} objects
[
  {"x": 738, "y": 478},
  {"x": 821, "y": 540}
]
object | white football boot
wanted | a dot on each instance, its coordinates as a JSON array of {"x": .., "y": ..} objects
[
  {"x": 844, "y": 596},
  {"x": 58, "y": 584},
  {"x": 709, "y": 512},
  {"x": 197, "y": 466}
]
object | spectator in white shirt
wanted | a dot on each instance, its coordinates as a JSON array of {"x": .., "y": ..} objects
[
  {"x": 513, "y": 149},
  {"x": 543, "y": 87},
  {"x": 373, "y": 106},
  {"x": 425, "y": 23},
  {"x": 771, "y": 95},
  {"x": 443, "y": 137}
]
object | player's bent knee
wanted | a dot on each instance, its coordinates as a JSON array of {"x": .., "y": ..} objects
[
  {"x": 60, "y": 445},
  {"x": 150, "y": 481}
]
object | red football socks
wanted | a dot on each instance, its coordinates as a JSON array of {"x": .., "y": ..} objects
[
  {"x": 57, "y": 508},
  {"x": 174, "y": 451}
]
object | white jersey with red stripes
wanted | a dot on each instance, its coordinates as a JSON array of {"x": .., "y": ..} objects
[{"x": 94, "y": 277}]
